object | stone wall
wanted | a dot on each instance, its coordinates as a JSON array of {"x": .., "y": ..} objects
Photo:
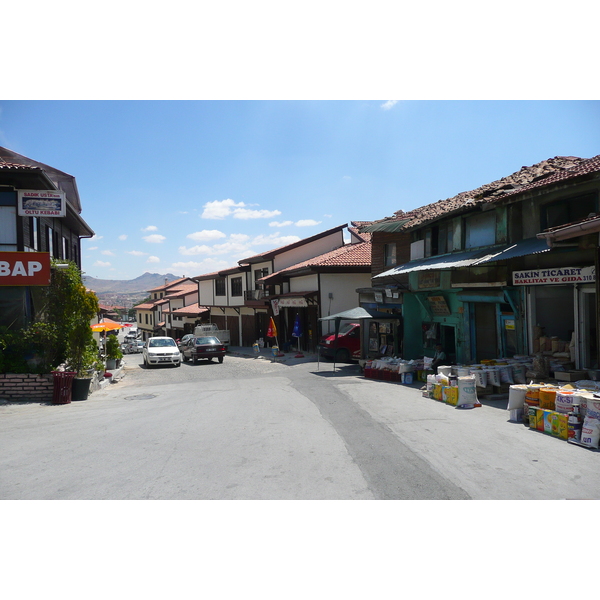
[{"x": 26, "y": 387}]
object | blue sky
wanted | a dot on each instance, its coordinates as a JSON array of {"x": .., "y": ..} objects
[{"x": 189, "y": 187}]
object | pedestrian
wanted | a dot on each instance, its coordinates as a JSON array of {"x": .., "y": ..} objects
[{"x": 439, "y": 357}]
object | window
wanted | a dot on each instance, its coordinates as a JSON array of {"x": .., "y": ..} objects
[
  {"x": 220, "y": 289},
  {"x": 50, "y": 240},
  {"x": 34, "y": 233},
  {"x": 568, "y": 211},
  {"x": 480, "y": 230},
  {"x": 389, "y": 255},
  {"x": 65, "y": 249},
  {"x": 258, "y": 274},
  {"x": 236, "y": 286}
]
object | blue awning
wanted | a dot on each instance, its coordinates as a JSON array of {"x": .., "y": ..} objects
[
  {"x": 522, "y": 248},
  {"x": 470, "y": 258}
]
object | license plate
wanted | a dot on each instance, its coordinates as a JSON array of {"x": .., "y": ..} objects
[
  {"x": 211, "y": 349},
  {"x": 164, "y": 359}
]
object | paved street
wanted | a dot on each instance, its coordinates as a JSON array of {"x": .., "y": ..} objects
[{"x": 251, "y": 428}]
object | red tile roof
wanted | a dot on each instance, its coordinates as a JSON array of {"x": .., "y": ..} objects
[
  {"x": 347, "y": 257},
  {"x": 191, "y": 309}
]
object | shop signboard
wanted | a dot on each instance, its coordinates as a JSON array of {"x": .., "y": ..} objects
[
  {"x": 275, "y": 305},
  {"x": 293, "y": 302},
  {"x": 560, "y": 275},
  {"x": 24, "y": 268},
  {"x": 428, "y": 279},
  {"x": 41, "y": 203},
  {"x": 438, "y": 305}
]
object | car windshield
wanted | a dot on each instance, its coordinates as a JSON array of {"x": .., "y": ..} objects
[
  {"x": 203, "y": 341},
  {"x": 346, "y": 328},
  {"x": 161, "y": 342}
]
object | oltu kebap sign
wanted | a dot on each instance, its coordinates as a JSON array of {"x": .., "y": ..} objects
[
  {"x": 41, "y": 203},
  {"x": 554, "y": 276},
  {"x": 24, "y": 268}
]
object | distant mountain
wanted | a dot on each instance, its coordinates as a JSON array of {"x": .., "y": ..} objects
[{"x": 139, "y": 285}]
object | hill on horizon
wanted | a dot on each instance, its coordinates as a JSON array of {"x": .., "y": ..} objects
[{"x": 140, "y": 284}]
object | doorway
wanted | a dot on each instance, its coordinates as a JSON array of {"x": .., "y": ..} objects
[{"x": 486, "y": 335}]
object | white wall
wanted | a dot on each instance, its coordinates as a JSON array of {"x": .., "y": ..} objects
[
  {"x": 343, "y": 287},
  {"x": 206, "y": 293},
  {"x": 321, "y": 246},
  {"x": 308, "y": 283}
]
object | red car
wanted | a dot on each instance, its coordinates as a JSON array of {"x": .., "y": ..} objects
[
  {"x": 208, "y": 347},
  {"x": 347, "y": 347}
]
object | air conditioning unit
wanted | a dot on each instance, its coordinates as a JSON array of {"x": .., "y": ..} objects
[{"x": 417, "y": 250}]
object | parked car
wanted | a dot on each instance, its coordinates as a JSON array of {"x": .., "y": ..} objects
[
  {"x": 161, "y": 351},
  {"x": 139, "y": 346},
  {"x": 347, "y": 346},
  {"x": 184, "y": 340},
  {"x": 208, "y": 347}
]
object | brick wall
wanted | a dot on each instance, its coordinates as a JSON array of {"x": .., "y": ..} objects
[
  {"x": 28, "y": 386},
  {"x": 378, "y": 241}
]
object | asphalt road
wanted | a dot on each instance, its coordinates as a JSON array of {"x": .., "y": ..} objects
[{"x": 255, "y": 429}]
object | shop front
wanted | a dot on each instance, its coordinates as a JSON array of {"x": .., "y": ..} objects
[{"x": 561, "y": 313}]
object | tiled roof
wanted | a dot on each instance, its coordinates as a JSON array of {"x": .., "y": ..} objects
[
  {"x": 182, "y": 290},
  {"x": 347, "y": 256},
  {"x": 547, "y": 172},
  {"x": 8, "y": 165},
  {"x": 355, "y": 229},
  {"x": 146, "y": 306},
  {"x": 169, "y": 285},
  {"x": 192, "y": 309}
]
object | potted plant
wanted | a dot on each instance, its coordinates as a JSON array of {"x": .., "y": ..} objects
[
  {"x": 113, "y": 352},
  {"x": 84, "y": 366}
]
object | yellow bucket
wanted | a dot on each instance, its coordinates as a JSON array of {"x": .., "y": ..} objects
[{"x": 547, "y": 397}]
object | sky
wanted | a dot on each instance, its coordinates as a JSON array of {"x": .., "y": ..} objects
[
  {"x": 203, "y": 133},
  {"x": 189, "y": 187}
]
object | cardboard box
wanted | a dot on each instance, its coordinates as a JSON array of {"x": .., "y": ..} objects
[{"x": 570, "y": 375}]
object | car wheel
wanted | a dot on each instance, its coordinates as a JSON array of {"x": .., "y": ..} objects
[
  {"x": 209, "y": 359},
  {"x": 195, "y": 360},
  {"x": 220, "y": 359},
  {"x": 342, "y": 355}
]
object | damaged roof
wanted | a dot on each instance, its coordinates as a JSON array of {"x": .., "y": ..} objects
[{"x": 547, "y": 172}]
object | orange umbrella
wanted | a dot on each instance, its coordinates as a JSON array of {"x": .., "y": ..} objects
[{"x": 106, "y": 325}]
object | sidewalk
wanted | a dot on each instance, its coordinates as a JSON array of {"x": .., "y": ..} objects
[{"x": 289, "y": 358}]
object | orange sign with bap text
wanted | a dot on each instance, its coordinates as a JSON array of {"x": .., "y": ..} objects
[{"x": 24, "y": 268}]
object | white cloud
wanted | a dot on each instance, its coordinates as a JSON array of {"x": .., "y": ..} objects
[
  {"x": 123, "y": 237},
  {"x": 246, "y": 213},
  {"x": 107, "y": 253},
  {"x": 155, "y": 238},
  {"x": 153, "y": 259},
  {"x": 328, "y": 216},
  {"x": 239, "y": 238},
  {"x": 195, "y": 250},
  {"x": 282, "y": 224},
  {"x": 136, "y": 253},
  {"x": 96, "y": 237},
  {"x": 389, "y": 104},
  {"x": 275, "y": 240},
  {"x": 150, "y": 228},
  {"x": 99, "y": 263},
  {"x": 93, "y": 248},
  {"x": 347, "y": 177},
  {"x": 206, "y": 235},
  {"x": 307, "y": 223},
  {"x": 219, "y": 209},
  {"x": 191, "y": 268}
]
